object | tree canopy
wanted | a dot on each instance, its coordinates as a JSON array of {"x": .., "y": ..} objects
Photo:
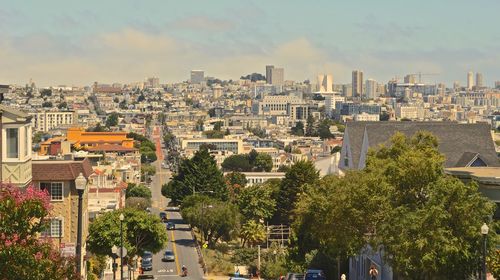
[
  {"x": 198, "y": 174},
  {"x": 134, "y": 190},
  {"x": 254, "y": 161}
]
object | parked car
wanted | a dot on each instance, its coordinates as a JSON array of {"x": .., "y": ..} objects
[
  {"x": 315, "y": 274},
  {"x": 170, "y": 226},
  {"x": 294, "y": 276},
  {"x": 146, "y": 277},
  {"x": 147, "y": 255},
  {"x": 147, "y": 265},
  {"x": 163, "y": 216},
  {"x": 168, "y": 256}
]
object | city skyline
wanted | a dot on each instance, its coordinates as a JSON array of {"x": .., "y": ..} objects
[{"x": 123, "y": 41}]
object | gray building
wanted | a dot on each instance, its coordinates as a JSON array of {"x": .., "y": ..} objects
[
  {"x": 197, "y": 76},
  {"x": 357, "y": 83},
  {"x": 269, "y": 73}
]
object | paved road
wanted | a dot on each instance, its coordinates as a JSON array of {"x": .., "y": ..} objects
[{"x": 180, "y": 240}]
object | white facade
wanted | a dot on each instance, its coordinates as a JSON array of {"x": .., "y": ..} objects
[
  {"x": 364, "y": 117},
  {"x": 278, "y": 76},
  {"x": 410, "y": 112},
  {"x": 277, "y": 104},
  {"x": 331, "y": 101},
  {"x": 325, "y": 83},
  {"x": 46, "y": 121}
]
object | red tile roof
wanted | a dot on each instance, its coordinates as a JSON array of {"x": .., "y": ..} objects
[
  {"x": 60, "y": 170},
  {"x": 110, "y": 148}
]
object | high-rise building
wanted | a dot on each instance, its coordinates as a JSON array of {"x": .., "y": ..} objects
[
  {"x": 269, "y": 73},
  {"x": 456, "y": 85},
  {"x": 325, "y": 83},
  {"x": 479, "y": 80},
  {"x": 470, "y": 80},
  {"x": 371, "y": 89},
  {"x": 347, "y": 90},
  {"x": 357, "y": 83},
  {"x": 153, "y": 82},
  {"x": 277, "y": 76},
  {"x": 410, "y": 79},
  {"x": 197, "y": 76},
  {"x": 497, "y": 84}
]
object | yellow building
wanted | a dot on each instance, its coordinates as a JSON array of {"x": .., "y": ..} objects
[{"x": 81, "y": 138}]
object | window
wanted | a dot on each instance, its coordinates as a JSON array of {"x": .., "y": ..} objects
[
  {"x": 12, "y": 142},
  {"x": 55, "y": 190},
  {"x": 54, "y": 228}
]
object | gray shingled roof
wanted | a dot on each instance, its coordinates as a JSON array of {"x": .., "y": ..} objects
[{"x": 454, "y": 139}]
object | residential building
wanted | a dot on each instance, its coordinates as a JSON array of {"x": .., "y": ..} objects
[
  {"x": 331, "y": 101},
  {"x": 58, "y": 178},
  {"x": 197, "y": 76},
  {"x": 410, "y": 112},
  {"x": 81, "y": 138},
  {"x": 232, "y": 145},
  {"x": 16, "y": 146},
  {"x": 351, "y": 108},
  {"x": 49, "y": 120},
  {"x": 364, "y": 117},
  {"x": 357, "y": 83},
  {"x": 463, "y": 145}
]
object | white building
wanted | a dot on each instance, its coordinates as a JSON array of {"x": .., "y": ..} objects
[
  {"x": 232, "y": 145},
  {"x": 364, "y": 117},
  {"x": 48, "y": 120},
  {"x": 254, "y": 178},
  {"x": 325, "y": 83},
  {"x": 410, "y": 112},
  {"x": 331, "y": 101},
  {"x": 276, "y": 104}
]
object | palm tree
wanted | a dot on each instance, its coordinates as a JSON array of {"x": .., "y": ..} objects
[{"x": 252, "y": 233}]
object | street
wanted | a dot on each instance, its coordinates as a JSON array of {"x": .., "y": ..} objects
[{"x": 180, "y": 239}]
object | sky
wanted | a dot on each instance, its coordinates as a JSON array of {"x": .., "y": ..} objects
[{"x": 79, "y": 42}]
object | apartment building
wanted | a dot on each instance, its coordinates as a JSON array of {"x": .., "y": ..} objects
[{"x": 49, "y": 120}]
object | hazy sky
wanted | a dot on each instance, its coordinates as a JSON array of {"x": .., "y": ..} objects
[{"x": 78, "y": 42}]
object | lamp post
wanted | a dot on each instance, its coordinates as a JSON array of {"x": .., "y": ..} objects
[
  {"x": 80, "y": 184},
  {"x": 121, "y": 245},
  {"x": 484, "y": 232}
]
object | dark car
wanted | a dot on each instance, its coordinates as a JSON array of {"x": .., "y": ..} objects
[
  {"x": 146, "y": 277},
  {"x": 294, "y": 276},
  {"x": 170, "y": 226},
  {"x": 147, "y": 255},
  {"x": 315, "y": 274},
  {"x": 163, "y": 216},
  {"x": 147, "y": 265},
  {"x": 168, "y": 256}
]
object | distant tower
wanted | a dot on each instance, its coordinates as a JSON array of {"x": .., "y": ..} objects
[
  {"x": 325, "y": 83},
  {"x": 479, "y": 80},
  {"x": 197, "y": 76},
  {"x": 278, "y": 76},
  {"x": 357, "y": 83},
  {"x": 269, "y": 73},
  {"x": 410, "y": 79},
  {"x": 470, "y": 80},
  {"x": 371, "y": 89}
]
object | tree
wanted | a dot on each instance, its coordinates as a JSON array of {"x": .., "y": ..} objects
[
  {"x": 256, "y": 203},
  {"x": 235, "y": 182},
  {"x": 134, "y": 190},
  {"x": 237, "y": 162},
  {"x": 298, "y": 129},
  {"x": 123, "y": 104},
  {"x": 384, "y": 116},
  {"x": 139, "y": 203},
  {"x": 218, "y": 126},
  {"x": 252, "y": 233},
  {"x": 112, "y": 120},
  {"x": 324, "y": 129},
  {"x": 200, "y": 173},
  {"x": 214, "y": 219},
  {"x": 214, "y": 134},
  {"x": 263, "y": 162},
  {"x": 23, "y": 217},
  {"x": 38, "y": 136},
  {"x": 46, "y": 92},
  {"x": 47, "y": 104},
  {"x": 142, "y": 232},
  {"x": 62, "y": 105},
  {"x": 147, "y": 170},
  {"x": 310, "y": 129},
  {"x": 252, "y": 156},
  {"x": 302, "y": 173}
]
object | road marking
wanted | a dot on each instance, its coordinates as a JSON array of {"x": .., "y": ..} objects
[{"x": 175, "y": 250}]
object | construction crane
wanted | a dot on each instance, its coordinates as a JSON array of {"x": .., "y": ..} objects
[{"x": 420, "y": 74}]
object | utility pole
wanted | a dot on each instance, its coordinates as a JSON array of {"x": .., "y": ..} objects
[{"x": 258, "y": 261}]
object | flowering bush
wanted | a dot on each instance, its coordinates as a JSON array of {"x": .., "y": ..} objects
[{"x": 23, "y": 255}]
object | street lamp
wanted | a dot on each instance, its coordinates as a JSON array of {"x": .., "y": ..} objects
[
  {"x": 80, "y": 184},
  {"x": 484, "y": 232},
  {"x": 121, "y": 244}
]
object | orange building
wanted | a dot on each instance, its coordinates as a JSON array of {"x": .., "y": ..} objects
[{"x": 84, "y": 139}]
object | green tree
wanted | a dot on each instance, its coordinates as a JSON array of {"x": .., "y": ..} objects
[
  {"x": 140, "y": 203},
  {"x": 298, "y": 129},
  {"x": 47, "y": 104},
  {"x": 37, "y": 137},
  {"x": 134, "y": 190},
  {"x": 252, "y": 233},
  {"x": 142, "y": 232},
  {"x": 256, "y": 203},
  {"x": 62, "y": 105},
  {"x": 112, "y": 120},
  {"x": 24, "y": 214},
  {"x": 263, "y": 162},
  {"x": 310, "y": 126},
  {"x": 300, "y": 175},
  {"x": 324, "y": 129},
  {"x": 237, "y": 162},
  {"x": 252, "y": 156},
  {"x": 215, "y": 219},
  {"x": 200, "y": 173},
  {"x": 235, "y": 182}
]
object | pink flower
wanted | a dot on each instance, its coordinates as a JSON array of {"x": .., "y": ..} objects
[
  {"x": 38, "y": 256},
  {"x": 8, "y": 243}
]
